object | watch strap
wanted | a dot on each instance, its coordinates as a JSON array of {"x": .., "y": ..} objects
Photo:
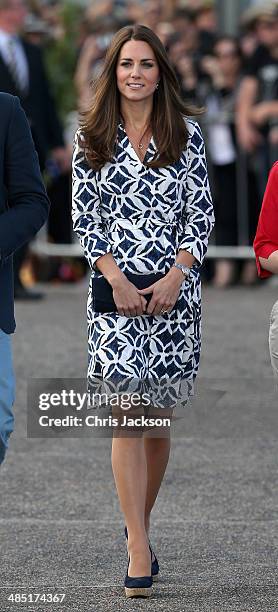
[{"x": 185, "y": 269}]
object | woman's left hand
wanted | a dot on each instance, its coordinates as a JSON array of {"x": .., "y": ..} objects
[{"x": 165, "y": 292}]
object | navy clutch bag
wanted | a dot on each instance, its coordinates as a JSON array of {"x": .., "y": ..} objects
[{"x": 102, "y": 292}]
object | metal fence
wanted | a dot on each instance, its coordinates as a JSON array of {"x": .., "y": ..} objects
[{"x": 42, "y": 248}]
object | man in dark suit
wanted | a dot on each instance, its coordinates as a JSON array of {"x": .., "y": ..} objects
[
  {"x": 22, "y": 74},
  {"x": 24, "y": 207}
]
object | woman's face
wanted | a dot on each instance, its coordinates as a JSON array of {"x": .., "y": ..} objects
[
  {"x": 137, "y": 70},
  {"x": 228, "y": 57}
]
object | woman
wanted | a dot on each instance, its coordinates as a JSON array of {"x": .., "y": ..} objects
[
  {"x": 219, "y": 94},
  {"x": 266, "y": 251},
  {"x": 135, "y": 211}
]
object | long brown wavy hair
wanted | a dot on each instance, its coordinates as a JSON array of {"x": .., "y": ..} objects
[{"x": 99, "y": 123}]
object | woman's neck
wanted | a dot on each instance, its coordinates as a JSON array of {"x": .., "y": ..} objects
[
  {"x": 230, "y": 80},
  {"x": 136, "y": 114}
]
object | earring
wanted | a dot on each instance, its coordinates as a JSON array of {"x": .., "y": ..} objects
[{"x": 157, "y": 85}]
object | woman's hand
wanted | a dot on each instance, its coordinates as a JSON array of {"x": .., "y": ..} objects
[
  {"x": 165, "y": 292},
  {"x": 126, "y": 297}
]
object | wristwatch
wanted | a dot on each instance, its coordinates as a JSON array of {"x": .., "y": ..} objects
[{"x": 185, "y": 269}]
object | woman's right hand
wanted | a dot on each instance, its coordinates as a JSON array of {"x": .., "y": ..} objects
[{"x": 128, "y": 301}]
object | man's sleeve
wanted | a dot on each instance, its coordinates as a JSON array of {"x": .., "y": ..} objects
[
  {"x": 266, "y": 239},
  {"x": 27, "y": 201},
  {"x": 54, "y": 125}
]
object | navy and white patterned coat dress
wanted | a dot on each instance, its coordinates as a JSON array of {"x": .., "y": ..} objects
[{"x": 143, "y": 216}]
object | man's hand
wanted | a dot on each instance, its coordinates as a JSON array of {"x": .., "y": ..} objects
[
  {"x": 249, "y": 138},
  {"x": 211, "y": 66},
  {"x": 262, "y": 112},
  {"x": 273, "y": 136},
  {"x": 247, "y": 134}
]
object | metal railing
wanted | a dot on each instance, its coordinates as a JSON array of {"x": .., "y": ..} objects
[
  {"x": 48, "y": 249},
  {"x": 41, "y": 247}
]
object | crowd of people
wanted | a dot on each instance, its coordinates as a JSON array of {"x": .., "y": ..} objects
[{"x": 234, "y": 78}]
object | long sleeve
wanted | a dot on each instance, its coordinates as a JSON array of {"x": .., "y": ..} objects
[
  {"x": 87, "y": 221},
  {"x": 266, "y": 239},
  {"x": 198, "y": 216},
  {"x": 27, "y": 201}
]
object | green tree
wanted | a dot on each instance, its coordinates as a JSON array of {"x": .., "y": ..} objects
[{"x": 61, "y": 58}]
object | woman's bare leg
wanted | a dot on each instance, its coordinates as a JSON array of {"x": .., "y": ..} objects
[
  {"x": 157, "y": 451},
  {"x": 138, "y": 463},
  {"x": 130, "y": 474}
]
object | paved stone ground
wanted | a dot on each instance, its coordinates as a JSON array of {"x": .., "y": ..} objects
[{"x": 214, "y": 526}]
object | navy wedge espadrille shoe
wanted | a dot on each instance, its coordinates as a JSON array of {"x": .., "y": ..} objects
[
  {"x": 155, "y": 564},
  {"x": 137, "y": 586}
]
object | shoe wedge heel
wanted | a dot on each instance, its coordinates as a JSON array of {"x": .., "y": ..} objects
[
  {"x": 138, "y": 591},
  {"x": 155, "y": 564},
  {"x": 137, "y": 586}
]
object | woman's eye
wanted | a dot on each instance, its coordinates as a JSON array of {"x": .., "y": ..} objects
[{"x": 144, "y": 64}]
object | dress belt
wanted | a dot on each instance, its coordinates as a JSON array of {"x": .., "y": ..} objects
[
  {"x": 126, "y": 223},
  {"x": 137, "y": 223}
]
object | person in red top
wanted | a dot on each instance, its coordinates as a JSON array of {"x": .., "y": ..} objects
[
  {"x": 266, "y": 239},
  {"x": 266, "y": 251}
]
